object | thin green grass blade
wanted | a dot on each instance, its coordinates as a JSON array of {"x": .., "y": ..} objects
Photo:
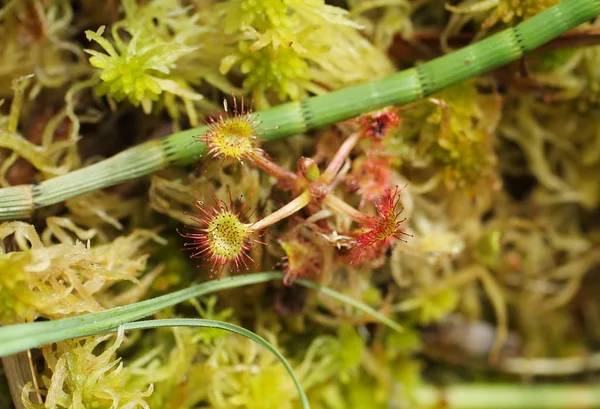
[
  {"x": 20, "y": 337},
  {"x": 196, "y": 322},
  {"x": 350, "y": 301}
]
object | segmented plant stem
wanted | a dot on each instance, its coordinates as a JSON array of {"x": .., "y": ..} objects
[{"x": 296, "y": 117}]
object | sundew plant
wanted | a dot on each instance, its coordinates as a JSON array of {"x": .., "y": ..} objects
[{"x": 260, "y": 204}]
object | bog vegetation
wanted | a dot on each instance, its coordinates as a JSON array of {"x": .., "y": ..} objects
[{"x": 469, "y": 217}]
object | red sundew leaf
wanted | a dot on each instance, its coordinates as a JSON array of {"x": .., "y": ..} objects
[
  {"x": 224, "y": 237},
  {"x": 383, "y": 228}
]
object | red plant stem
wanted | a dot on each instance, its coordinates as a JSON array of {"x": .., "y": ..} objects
[
  {"x": 285, "y": 178},
  {"x": 344, "y": 208},
  {"x": 339, "y": 158},
  {"x": 292, "y": 207}
]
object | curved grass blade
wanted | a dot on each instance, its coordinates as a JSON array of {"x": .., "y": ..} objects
[
  {"x": 350, "y": 301},
  {"x": 20, "y": 337},
  {"x": 197, "y": 322}
]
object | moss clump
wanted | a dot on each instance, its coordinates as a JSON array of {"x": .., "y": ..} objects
[
  {"x": 83, "y": 378},
  {"x": 42, "y": 278},
  {"x": 139, "y": 71}
]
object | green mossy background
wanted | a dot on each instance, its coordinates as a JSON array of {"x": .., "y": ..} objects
[{"x": 497, "y": 288}]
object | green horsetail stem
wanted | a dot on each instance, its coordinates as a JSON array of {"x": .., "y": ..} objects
[{"x": 295, "y": 117}]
